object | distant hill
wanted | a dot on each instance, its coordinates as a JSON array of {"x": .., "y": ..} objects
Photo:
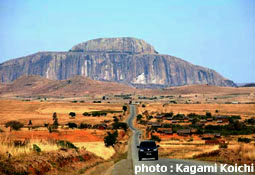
[
  {"x": 76, "y": 86},
  {"x": 124, "y": 60},
  {"x": 249, "y": 85},
  {"x": 79, "y": 86}
]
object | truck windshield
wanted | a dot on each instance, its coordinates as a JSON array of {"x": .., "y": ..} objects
[{"x": 148, "y": 144}]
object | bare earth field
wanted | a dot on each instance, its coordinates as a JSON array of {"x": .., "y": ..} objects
[{"x": 41, "y": 112}]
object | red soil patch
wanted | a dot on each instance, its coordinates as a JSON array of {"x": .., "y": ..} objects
[
  {"x": 70, "y": 135},
  {"x": 175, "y": 136}
]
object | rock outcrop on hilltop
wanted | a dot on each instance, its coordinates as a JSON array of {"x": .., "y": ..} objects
[{"x": 126, "y": 60}]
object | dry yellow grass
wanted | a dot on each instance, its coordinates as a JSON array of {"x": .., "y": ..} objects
[
  {"x": 98, "y": 148},
  {"x": 180, "y": 150},
  {"x": 246, "y": 151},
  {"x": 15, "y": 151},
  {"x": 41, "y": 112}
]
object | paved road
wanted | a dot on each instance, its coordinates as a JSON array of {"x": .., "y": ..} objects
[{"x": 171, "y": 165}]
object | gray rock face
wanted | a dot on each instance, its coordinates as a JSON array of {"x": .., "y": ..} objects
[
  {"x": 124, "y": 60},
  {"x": 115, "y": 45}
]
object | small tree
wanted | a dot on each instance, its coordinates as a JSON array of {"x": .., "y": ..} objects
[
  {"x": 72, "y": 125},
  {"x": 208, "y": 115},
  {"x": 115, "y": 119},
  {"x": 54, "y": 116},
  {"x": 124, "y": 108},
  {"x": 155, "y": 138},
  {"x": 36, "y": 148},
  {"x": 139, "y": 117},
  {"x": 55, "y": 120},
  {"x": 14, "y": 125},
  {"x": 111, "y": 139},
  {"x": 72, "y": 114},
  {"x": 29, "y": 124}
]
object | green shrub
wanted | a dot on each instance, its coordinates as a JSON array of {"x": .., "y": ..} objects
[
  {"x": 83, "y": 126},
  {"x": 124, "y": 108},
  {"x": 66, "y": 144},
  {"x": 120, "y": 125},
  {"x": 245, "y": 140},
  {"x": 155, "y": 138},
  {"x": 72, "y": 125},
  {"x": 72, "y": 114},
  {"x": 14, "y": 125},
  {"x": 111, "y": 139},
  {"x": 223, "y": 145},
  {"x": 208, "y": 115},
  {"x": 86, "y": 114},
  {"x": 36, "y": 148},
  {"x": 139, "y": 117}
]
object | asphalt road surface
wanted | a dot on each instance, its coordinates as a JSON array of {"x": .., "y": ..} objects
[{"x": 166, "y": 166}]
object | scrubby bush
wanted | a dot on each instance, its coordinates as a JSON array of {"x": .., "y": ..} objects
[
  {"x": 36, "y": 148},
  {"x": 245, "y": 140},
  {"x": 120, "y": 125},
  {"x": 72, "y": 114},
  {"x": 72, "y": 125},
  {"x": 124, "y": 108},
  {"x": 66, "y": 144},
  {"x": 86, "y": 114},
  {"x": 251, "y": 121},
  {"x": 170, "y": 114},
  {"x": 115, "y": 119},
  {"x": 84, "y": 126},
  {"x": 223, "y": 145},
  {"x": 139, "y": 117},
  {"x": 208, "y": 115},
  {"x": 111, "y": 139},
  {"x": 14, "y": 125},
  {"x": 155, "y": 138}
]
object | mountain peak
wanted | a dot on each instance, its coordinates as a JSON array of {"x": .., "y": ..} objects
[{"x": 115, "y": 45}]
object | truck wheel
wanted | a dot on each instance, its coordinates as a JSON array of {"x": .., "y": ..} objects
[{"x": 156, "y": 157}]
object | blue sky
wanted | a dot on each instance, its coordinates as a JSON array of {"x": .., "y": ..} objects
[{"x": 219, "y": 34}]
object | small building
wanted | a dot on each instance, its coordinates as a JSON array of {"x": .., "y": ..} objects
[
  {"x": 219, "y": 121},
  {"x": 222, "y": 119},
  {"x": 208, "y": 136},
  {"x": 165, "y": 130},
  {"x": 184, "y": 132},
  {"x": 193, "y": 130},
  {"x": 100, "y": 126},
  {"x": 156, "y": 125},
  {"x": 174, "y": 121},
  {"x": 159, "y": 117},
  {"x": 169, "y": 118},
  {"x": 214, "y": 142},
  {"x": 217, "y": 135},
  {"x": 150, "y": 123},
  {"x": 203, "y": 121},
  {"x": 209, "y": 119}
]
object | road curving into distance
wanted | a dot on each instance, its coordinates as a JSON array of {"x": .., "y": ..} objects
[{"x": 174, "y": 166}]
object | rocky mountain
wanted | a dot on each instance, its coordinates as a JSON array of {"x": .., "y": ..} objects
[{"x": 125, "y": 60}]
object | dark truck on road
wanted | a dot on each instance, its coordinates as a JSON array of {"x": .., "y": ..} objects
[{"x": 148, "y": 149}]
